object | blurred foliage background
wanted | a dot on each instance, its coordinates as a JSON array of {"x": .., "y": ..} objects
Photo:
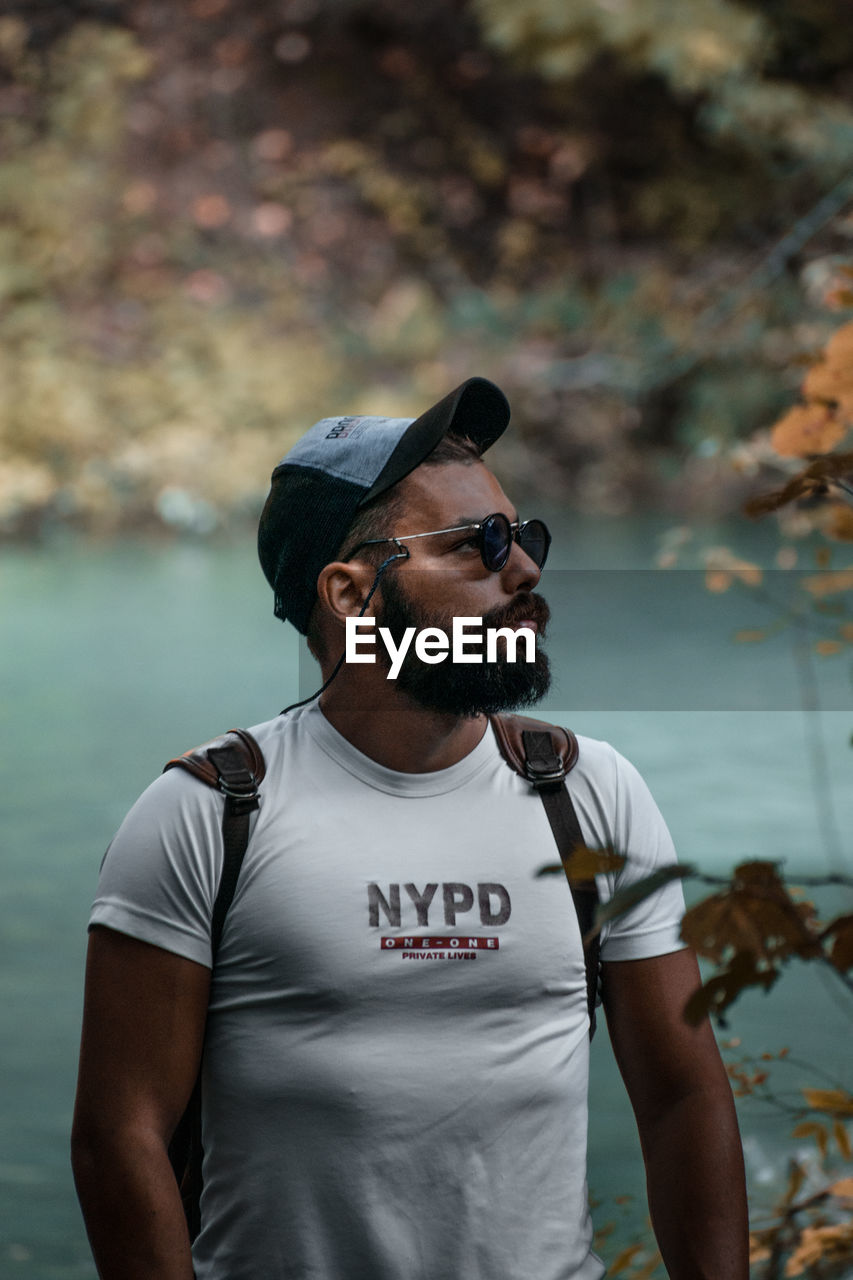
[{"x": 223, "y": 220}]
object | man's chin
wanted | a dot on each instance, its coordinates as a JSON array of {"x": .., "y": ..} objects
[{"x": 488, "y": 691}]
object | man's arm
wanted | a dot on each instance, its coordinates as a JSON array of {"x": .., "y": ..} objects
[
  {"x": 143, "y": 1028},
  {"x": 685, "y": 1114}
]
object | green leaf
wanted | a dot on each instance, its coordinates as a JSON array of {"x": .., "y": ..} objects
[{"x": 628, "y": 897}]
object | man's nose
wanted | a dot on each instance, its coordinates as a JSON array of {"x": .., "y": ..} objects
[{"x": 520, "y": 573}]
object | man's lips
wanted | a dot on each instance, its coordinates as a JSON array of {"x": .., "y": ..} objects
[{"x": 535, "y": 615}]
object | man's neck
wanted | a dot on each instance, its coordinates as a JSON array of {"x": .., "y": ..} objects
[{"x": 397, "y": 733}]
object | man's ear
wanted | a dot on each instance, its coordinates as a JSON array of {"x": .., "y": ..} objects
[{"x": 342, "y": 588}]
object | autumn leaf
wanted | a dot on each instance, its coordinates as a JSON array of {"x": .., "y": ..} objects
[
  {"x": 723, "y": 568},
  {"x": 648, "y": 1269},
  {"x": 815, "y": 481},
  {"x": 759, "y": 1246},
  {"x": 842, "y": 1190},
  {"x": 839, "y": 522},
  {"x": 830, "y": 384},
  {"x": 837, "y": 298},
  {"x": 624, "y": 1259},
  {"x": 718, "y": 580},
  {"x": 807, "y": 429},
  {"x": 820, "y": 1244},
  {"x": 720, "y": 991},
  {"x": 811, "y": 1129},
  {"x": 628, "y": 897},
  {"x": 796, "y": 1178},
  {"x": 836, "y": 1102},
  {"x": 831, "y": 583},
  {"x": 755, "y": 916},
  {"x": 839, "y": 349},
  {"x": 584, "y": 864},
  {"x": 842, "y": 1141}
]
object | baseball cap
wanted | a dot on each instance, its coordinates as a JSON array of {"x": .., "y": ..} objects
[{"x": 341, "y": 464}]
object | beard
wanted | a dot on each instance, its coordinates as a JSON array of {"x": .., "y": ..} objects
[{"x": 462, "y": 689}]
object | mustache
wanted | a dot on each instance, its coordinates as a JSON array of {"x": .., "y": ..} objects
[{"x": 526, "y": 607}]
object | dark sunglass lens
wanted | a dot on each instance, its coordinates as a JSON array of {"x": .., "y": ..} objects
[
  {"x": 534, "y": 540},
  {"x": 495, "y": 541}
]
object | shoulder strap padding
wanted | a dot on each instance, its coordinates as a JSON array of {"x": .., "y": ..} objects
[
  {"x": 544, "y": 754},
  {"x": 233, "y": 764},
  {"x": 200, "y": 761},
  {"x": 509, "y": 729}
]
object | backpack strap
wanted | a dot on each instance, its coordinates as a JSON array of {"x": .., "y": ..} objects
[
  {"x": 544, "y": 754},
  {"x": 233, "y": 764}
]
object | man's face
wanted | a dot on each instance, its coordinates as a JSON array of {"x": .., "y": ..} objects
[{"x": 445, "y": 578}]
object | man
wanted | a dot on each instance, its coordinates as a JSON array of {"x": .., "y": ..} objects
[{"x": 376, "y": 1107}]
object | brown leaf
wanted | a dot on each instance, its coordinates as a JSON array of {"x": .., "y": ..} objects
[
  {"x": 819, "y": 1244},
  {"x": 585, "y": 864},
  {"x": 623, "y": 1259},
  {"x": 759, "y": 1246},
  {"x": 831, "y": 384},
  {"x": 809, "y": 428},
  {"x": 831, "y": 583},
  {"x": 839, "y": 349},
  {"x": 836, "y": 1102},
  {"x": 649, "y": 1268},
  {"x": 815, "y": 481},
  {"x": 723, "y": 568},
  {"x": 718, "y": 580},
  {"x": 843, "y": 1189},
  {"x": 755, "y": 916},
  {"x": 720, "y": 991},
  {"x": 796, "y": 1178},
  {"x": 811, "y": 1129},
  {"x": 634, "y": 893},
  {"x": 842, "y": 1141},
  {"x": 841, "y": 955}
]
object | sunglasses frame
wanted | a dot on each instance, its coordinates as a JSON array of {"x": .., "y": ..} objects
[{"x": 515, "y": 530}]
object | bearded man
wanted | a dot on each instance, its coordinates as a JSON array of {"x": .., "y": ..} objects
[{"x": 394, "y": 1037}]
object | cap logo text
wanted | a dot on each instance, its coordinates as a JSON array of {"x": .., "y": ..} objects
[{"x": 343, "y": 428}]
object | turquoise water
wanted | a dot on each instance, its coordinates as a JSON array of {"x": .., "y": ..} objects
[{"x": 113, "y": 658}]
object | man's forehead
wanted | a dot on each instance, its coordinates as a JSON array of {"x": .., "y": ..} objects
[{"x": 452, "y": 493}]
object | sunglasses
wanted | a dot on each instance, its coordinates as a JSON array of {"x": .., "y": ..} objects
[{"x": 495, "y": 536}]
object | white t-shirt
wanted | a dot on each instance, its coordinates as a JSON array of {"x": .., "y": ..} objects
[{"x": 395, "y": 1074}]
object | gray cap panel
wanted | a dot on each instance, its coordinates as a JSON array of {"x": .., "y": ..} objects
[{"x": 349, "y": 448}]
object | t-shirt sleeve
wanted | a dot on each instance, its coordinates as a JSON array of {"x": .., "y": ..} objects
[
  {"x": 651, "y": 927},
  {"x": 158, "y": 878}
]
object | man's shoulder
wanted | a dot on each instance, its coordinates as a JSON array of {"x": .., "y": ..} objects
[
  {"x": 602, "y": 769},
  {"x": 597, "y": 760}
]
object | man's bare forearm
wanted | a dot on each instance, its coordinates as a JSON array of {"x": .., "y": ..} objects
[
  {"x": 697, "y": 1189},
  {"x": 132, "y": 1207}
]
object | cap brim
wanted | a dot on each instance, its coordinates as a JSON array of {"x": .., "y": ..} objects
[{"x": 477, "y": 409}]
